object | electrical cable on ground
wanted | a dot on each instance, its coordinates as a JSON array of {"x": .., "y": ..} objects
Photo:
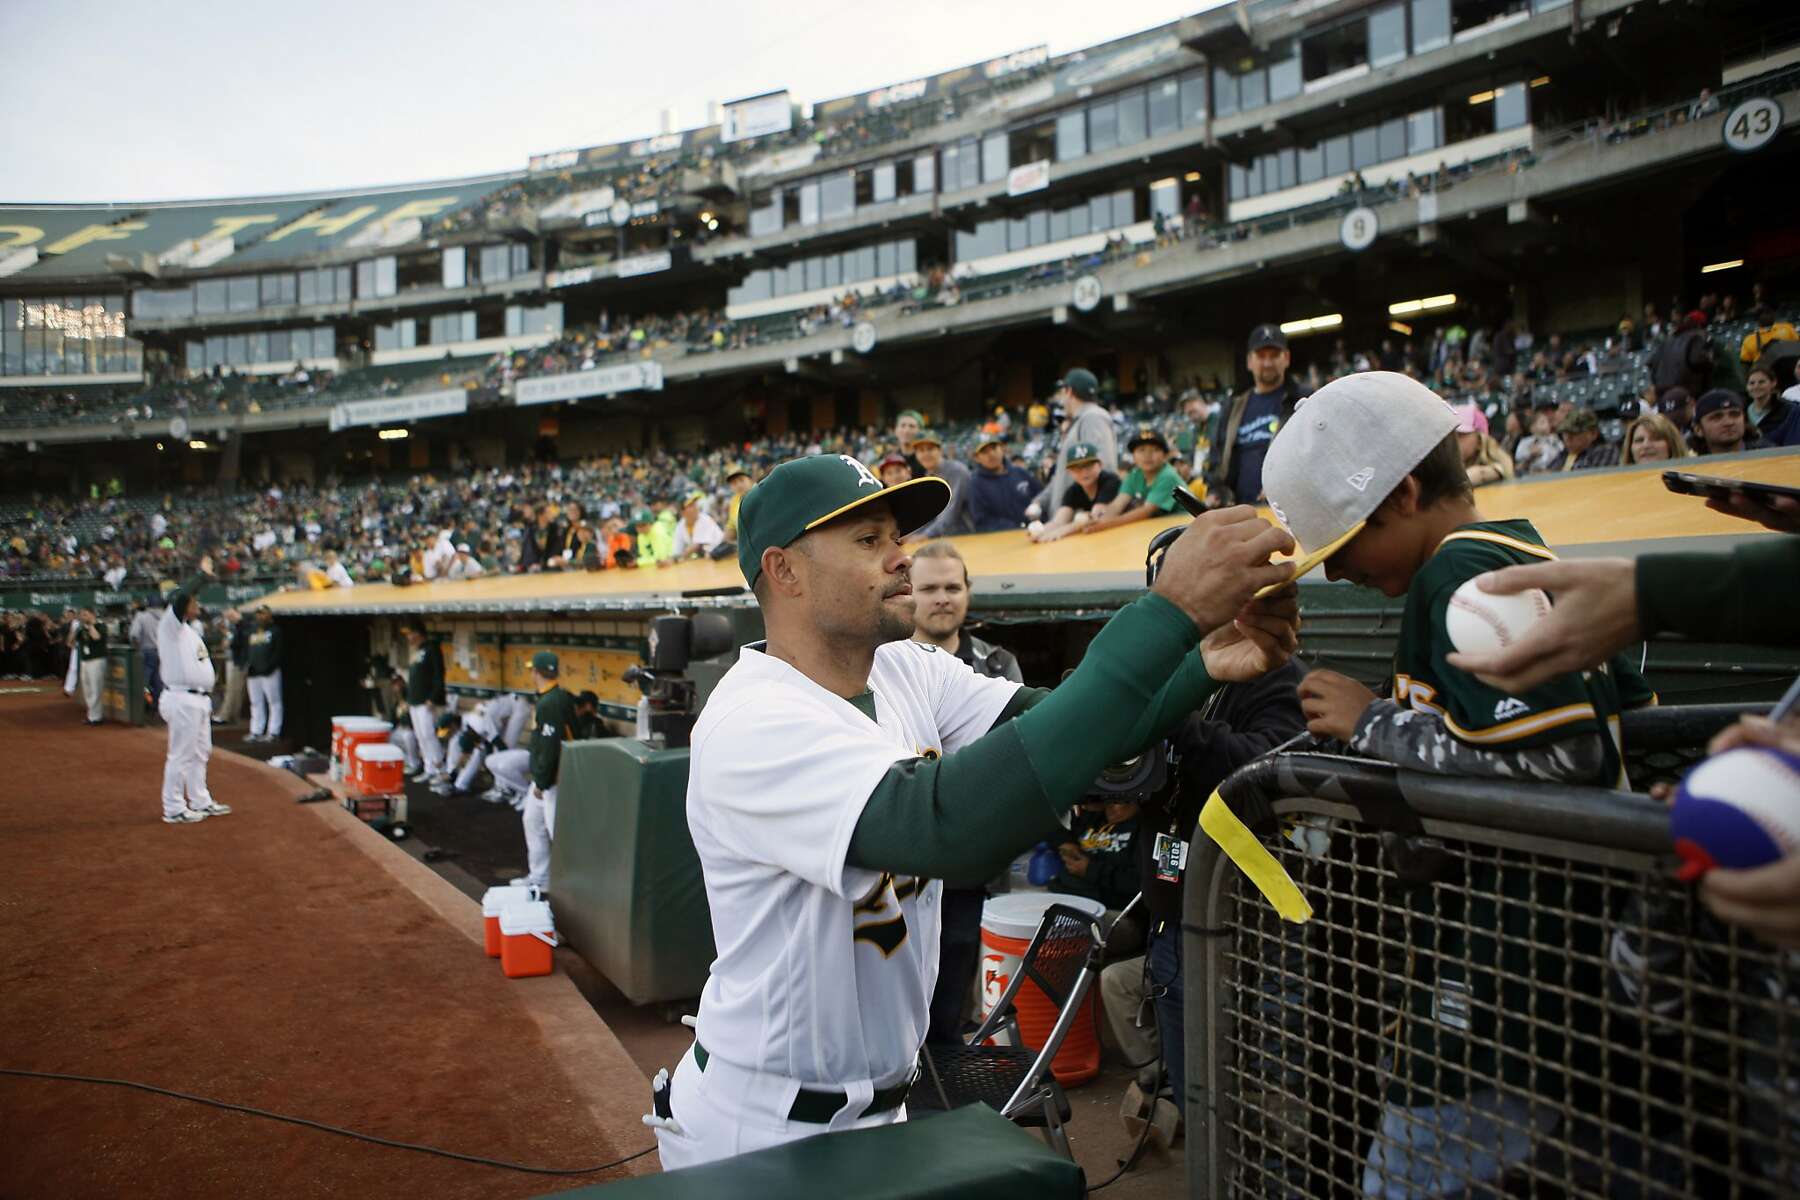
[
  {"x": 1137, "y": 1151},
  {"x": 322, "y": 1126}
]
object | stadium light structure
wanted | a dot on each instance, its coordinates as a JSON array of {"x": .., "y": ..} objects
[
  {"x": 196, "y": 444},
  {"x": 1481, "y": 97},
  {"x": 393, "y": 435},
  {"x": 1728, "y": 265},
  {"x": 1401, "y": 327},
  {"x": 1192, "y": 177},
  {"x": 1407, "y": 308},
  {"x": 1312, "y": 324}
]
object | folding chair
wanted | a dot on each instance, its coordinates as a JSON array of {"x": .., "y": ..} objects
[{"x": 1063, "y": 960}]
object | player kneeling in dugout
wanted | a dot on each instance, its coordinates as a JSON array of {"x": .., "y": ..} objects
[{"x": 842, "y": 772}]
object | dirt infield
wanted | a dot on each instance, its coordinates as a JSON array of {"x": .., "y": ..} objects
[{"x": 281, "y": 957}]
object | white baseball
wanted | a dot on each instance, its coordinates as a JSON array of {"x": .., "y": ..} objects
[{"x": 1481, "y": 622}]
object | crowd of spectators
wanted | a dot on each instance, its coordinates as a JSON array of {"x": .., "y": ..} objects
[{"x": 1503, "y": 378}]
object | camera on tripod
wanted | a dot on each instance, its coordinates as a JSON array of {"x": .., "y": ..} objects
[{"x": 666, "y": 713}]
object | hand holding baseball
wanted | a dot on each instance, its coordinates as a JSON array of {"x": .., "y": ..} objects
[{"x": 1595, "y": 617}]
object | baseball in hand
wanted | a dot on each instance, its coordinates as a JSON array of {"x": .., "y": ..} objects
[
  {"x": 1483, "y": 623},
  {"x": 1739, "y": 809}
]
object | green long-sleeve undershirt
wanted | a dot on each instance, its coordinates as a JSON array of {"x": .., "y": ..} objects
[
  {"x": 963, "y": 817},
  {"x": 1748, "y": 594}
]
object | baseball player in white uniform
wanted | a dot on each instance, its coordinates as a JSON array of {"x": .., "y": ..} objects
[
  {"x": 841, "y": 771},
  {"x": 494, "y": 726},
  {"x": 186, "y": 706}
]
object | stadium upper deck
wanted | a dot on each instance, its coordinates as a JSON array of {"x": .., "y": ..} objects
[{"x": 1470, "y": 127}]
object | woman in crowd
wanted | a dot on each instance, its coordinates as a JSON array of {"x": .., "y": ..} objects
[
  {"x": 1653, "y": 438},
  {"x": 1485, "y": 460}
]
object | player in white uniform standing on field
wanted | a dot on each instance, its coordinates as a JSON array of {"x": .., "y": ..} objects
[
  {"x": 840, "y": 771},
  {"x": 186, "y": 706}
]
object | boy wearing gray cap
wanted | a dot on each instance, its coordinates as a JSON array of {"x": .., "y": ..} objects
[{"x": 1369, "y": 479}]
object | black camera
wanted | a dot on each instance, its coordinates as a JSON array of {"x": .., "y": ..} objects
[
  {"x": 1134, "y": 781},
  {"x": 676, "y": 641}
]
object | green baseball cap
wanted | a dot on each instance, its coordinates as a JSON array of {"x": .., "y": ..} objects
[
  {"x": 1082, "y": 452},
  {"x": 927, "y": 437},
  {"x": 804, "y": 493},
  {"x": 643, "y": 516},
  {"x": 914, "y": 413},
  {"x": 545, "y": 662}
]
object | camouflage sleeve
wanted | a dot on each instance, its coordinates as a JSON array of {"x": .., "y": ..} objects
[{"x": 1421, "y": 742}]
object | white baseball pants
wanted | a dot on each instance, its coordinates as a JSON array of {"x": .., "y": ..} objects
[
  {"x": 424, "y": 724},
  {"x": 510, "y": 769},
  {"x": 726, "y": 1110},
  {"x": 409, "y": 745},
  {"x": 189, "y": 718},
  {"x": 265, "y": 704},
  {"x": 465, "y": 778},
  {"x": 540, "y": 827},
  {"x": 93, "y": 686}
]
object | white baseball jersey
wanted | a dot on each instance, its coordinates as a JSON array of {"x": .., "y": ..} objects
[
  {"x": 184, "y": 650},
  {"x": 504, "y": 717},
  {"x": 824, "y": 971}
]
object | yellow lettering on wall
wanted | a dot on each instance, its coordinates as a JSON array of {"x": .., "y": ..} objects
[
  {"x": 420, "y": 208},
  {"x": 322, "y": 225},
  {"x": 95, "y": 233},
  {"x": 224, "y": 227},
  {"x": 19, "y": 235}
]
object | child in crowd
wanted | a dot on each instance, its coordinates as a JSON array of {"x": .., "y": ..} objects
[
  {"x": 1540, "y": 449},
  {"x": 1369, "y": 478}
]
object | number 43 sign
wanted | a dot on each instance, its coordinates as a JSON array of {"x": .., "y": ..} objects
[{"x": 1752, "y": 124}]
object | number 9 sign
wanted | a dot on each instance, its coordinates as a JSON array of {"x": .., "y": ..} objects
[
  {"x": 1359, "y": 228},
  {"x": 1752, "y": 125}
]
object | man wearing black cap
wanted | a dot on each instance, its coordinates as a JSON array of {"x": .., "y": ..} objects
[
  {"x": 1719, "y": 424},
  {"x": 1087, "y": 423},
  {"x": 1148, "y": 490},
  {"x": 1677, "y": 404},
  {"x": 1234, "y": 465}
]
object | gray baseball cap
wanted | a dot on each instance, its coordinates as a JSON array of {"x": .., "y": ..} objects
[{"x": 1344, "y": 450}]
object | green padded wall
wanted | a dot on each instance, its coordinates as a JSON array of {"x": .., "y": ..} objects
[
  {"x": 972, "y": 1151},
  {"x": 625, "y": 881}
]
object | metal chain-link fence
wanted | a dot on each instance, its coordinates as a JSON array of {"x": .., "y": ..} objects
[{"x": 1502, "y": 992}]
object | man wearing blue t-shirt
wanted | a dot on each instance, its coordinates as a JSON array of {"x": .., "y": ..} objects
[{"x": 1234, "y": 466}]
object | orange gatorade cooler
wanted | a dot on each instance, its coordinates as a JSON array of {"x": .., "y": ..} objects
[
  {"x": 380, "y": 769},
  {"x": 495, "y": 901},
  {"x": 359, "y": 731},
  {"x": 337, "y": 741},
  {"x": 1007, "y": 926},
  {"x": 527, "y": 935}
]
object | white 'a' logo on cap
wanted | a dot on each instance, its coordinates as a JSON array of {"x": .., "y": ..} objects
[
  {"x": 862, "y": 472},
  {"x": 1360, "y": 480}
]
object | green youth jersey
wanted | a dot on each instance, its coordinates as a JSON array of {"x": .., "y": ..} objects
[
  {"x": 1158, "y": 493},
  {"x": 554, "y": 724},
  {"x": 1588, "y": 701},
  {"x": 1484, "y": 995}
]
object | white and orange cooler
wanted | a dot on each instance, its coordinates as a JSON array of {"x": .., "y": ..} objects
[{"x": 1008, "y": 924}]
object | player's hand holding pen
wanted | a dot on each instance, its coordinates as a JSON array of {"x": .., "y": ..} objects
[{"x": 1218, "y": 564}]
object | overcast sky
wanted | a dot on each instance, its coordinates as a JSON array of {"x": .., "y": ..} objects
[{"x": 201, "y": 98}]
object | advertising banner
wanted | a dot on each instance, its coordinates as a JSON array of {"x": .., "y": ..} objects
[
  {"x": 400, "y": 409},
  {"x": 1028, "y": 177},
  {"x": 644, "y": 264},
  {"x": 757, "y": 116},
  {"x": 601, "y": 381}
]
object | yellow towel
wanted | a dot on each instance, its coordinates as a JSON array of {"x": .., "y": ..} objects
[{"x": 1242, "y": 848}]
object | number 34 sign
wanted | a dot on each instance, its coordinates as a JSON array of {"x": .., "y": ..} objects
[{"x": 1752, "y": 124}]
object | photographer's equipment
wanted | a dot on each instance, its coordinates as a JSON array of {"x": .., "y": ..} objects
[{"x": 669, "y": 705}]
